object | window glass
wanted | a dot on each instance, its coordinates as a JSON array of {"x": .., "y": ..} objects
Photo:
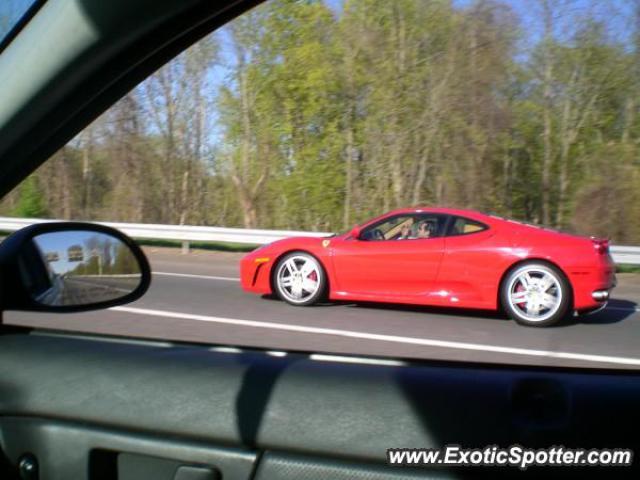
[
  {"x": 405, "y": 227},
  {"x": 464, "y": 226},
  {"x": 306, "y": 117},
  {"x": 395, "y": 228}
]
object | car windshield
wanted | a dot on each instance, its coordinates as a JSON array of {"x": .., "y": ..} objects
[
  {"x": 233, "y": 164},
  {"x": 11, "y": 11}
]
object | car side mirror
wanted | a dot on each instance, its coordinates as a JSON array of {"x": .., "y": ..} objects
[
  {"x": 355, "y": 232},
  {"x": 70, "y": 267}
]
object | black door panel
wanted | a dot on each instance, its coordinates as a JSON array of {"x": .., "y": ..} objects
[
  {"x": 90, "y": 408},
  {"x": 68, "y": 450}
]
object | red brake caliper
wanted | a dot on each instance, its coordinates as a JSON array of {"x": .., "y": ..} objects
[{"x": 520, "y": 288}]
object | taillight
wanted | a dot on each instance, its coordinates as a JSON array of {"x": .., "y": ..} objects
[{"x": 601, "y": 245}]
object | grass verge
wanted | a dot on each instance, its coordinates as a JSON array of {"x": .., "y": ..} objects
[{"x": 627, "y": 268}]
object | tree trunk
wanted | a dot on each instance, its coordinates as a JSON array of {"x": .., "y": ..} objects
[
  {"x": 86, "y": 173},
  {"x": 346, "y": 221},
  {"x": 548, "y": 105}
]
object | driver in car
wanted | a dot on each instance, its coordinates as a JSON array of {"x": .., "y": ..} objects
[
  {"x": 405, "y": 232},
  {"x": 423, "y": 230}
]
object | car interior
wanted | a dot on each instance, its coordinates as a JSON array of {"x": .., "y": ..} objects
[
  {"x": 92, "y": 407},
  {"x": 392, "y": 229}
]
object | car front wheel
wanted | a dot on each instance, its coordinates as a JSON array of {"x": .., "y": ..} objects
[
  {"x": 536, "y": 294},
  {"x": 299, "y": 279}
]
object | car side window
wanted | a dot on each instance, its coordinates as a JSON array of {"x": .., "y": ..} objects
[
  {"x": 465, "y": 226},
  {"x": 405, "y": 227},
  {"x": 393, "y": 228}
]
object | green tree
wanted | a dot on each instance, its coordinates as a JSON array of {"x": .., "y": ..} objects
[
  {"x": 124, "y": 262},
  {"x": 31, "y": 203}
]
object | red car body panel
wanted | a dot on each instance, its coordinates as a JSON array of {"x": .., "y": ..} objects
[{"x": 460, "y": 271}]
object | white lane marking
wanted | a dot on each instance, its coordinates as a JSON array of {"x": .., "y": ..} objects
[
  {"x": 226, "y": 349},
  {"x": 318, "y": 357},
  {"x": 276, "y": 353},
  {"x": 383, "y": 338},
  {"x": 204, "y": 277}
]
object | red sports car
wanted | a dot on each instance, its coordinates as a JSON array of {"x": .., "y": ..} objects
[{"x": 441, "y": 257}]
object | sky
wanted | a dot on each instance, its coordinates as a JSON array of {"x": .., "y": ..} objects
[
  {"x": 60, "y": 242},
  {"x": 617, "y": 13}
]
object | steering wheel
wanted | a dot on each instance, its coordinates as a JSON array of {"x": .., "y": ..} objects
[{"x": 378, "y": 235}]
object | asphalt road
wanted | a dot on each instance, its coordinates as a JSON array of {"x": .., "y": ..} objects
[
  {"x": 81, "y": 290},
  {"x": 197, "y": 298}
]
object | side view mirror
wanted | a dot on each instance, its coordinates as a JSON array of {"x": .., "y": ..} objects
[
  {"x": 70, "y": 267},
  {"x": 355, "y": 232}
]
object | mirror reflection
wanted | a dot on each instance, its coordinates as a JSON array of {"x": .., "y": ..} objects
[{"x": 80, "y": 268}]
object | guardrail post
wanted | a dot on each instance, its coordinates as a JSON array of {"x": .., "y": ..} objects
[{"x": 185, "y": 247}]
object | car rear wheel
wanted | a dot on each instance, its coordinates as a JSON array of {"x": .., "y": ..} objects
[
  {"x": 536, "y": 294},
  {"x": 300, "y": 279}
]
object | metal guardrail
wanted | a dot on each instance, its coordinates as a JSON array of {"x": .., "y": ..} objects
[
  {"x": 625, "y": 255},
  {"x": 621, "y": 254},
  {"x": 181, "y": 233}
]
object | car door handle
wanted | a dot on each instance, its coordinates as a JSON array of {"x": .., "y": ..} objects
[
  {"x": 133, "y": 466},
  {"x": 188, "y": 472}
]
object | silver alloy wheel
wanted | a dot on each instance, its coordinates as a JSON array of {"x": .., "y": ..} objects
[
  {"x": 535, "y": 293},
  {"x": 298, "y": 278}
]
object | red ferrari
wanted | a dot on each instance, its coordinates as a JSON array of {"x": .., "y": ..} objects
[{"x": 441, "y": 257}]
